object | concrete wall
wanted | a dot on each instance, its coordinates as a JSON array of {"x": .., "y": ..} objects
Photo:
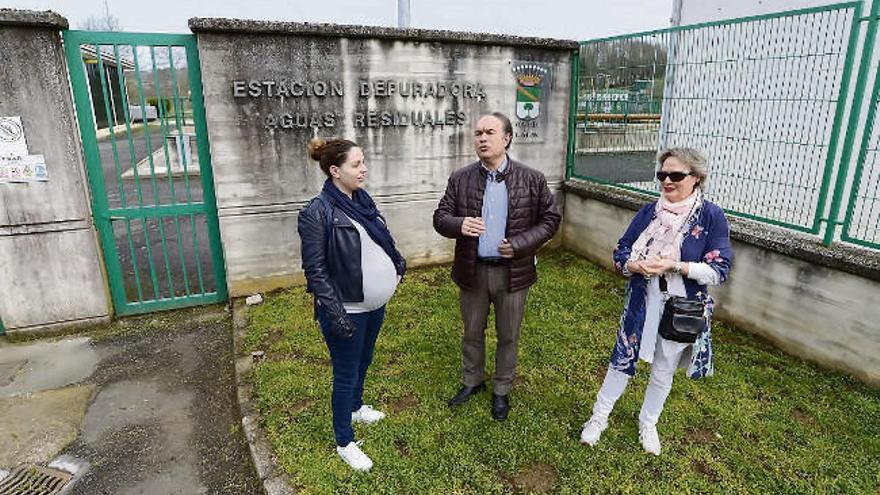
[
  {"x": 818, "y": 303},
  {"x": 50, "y": 271},
  {"x": 262, "y": 173}
]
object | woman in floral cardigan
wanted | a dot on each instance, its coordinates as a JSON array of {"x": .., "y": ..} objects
[{"x": 684, "y": 240}]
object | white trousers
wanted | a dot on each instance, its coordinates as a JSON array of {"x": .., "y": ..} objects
[{"x": 667, "y": 354}]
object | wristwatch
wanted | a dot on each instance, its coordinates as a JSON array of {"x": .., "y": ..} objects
[{"x": 676, "y": 269}]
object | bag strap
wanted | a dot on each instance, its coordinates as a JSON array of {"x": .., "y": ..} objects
[{"x": 664, "y": 287}]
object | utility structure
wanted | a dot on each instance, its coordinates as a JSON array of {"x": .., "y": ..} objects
[{"x": 403, "y": 13}]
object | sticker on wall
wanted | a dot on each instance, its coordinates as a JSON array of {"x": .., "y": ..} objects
[
  {"x": 532, "y": 99},
  {"x": 28, "y": 168},
  {"x": 16, "y": 165},
  {"x": 12, "y": 140}
]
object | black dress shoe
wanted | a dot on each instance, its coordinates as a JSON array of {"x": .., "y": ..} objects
[
  {"x": 500, "y": 406},
  {"x": 464, "y": 394}
]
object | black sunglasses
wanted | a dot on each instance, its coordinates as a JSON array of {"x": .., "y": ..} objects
[{"x": 673, "y": 176}]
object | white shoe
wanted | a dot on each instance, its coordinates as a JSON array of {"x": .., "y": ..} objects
[
  {"x": 366, "y": 414},
  {"x": 593, "y": 430},
  {"x": 649, "y": 438},
  {"x": 355, "y": 457}
]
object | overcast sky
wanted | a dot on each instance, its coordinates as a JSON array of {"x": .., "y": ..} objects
[{"x": 570, "y": 19}]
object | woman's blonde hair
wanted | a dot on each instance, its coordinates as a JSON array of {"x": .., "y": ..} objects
[{"x": 692, "y": 158}]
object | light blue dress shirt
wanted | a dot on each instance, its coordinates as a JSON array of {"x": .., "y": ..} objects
[{"x": 494, "y": 213}]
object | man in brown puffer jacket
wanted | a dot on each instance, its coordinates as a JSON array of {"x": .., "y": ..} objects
[{"x": 500, "y": 212}]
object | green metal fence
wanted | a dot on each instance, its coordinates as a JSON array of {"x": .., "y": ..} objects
[
  {"x": 764, "y": 97},
  {"x": 861, "y": 223},
  {"x": 149, "y": 167}
]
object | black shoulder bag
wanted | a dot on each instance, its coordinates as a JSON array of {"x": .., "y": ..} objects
[{"x": 682, "y": 319}]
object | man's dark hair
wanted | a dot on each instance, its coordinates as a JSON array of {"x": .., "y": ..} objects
[{"x": 508, "y": 127}]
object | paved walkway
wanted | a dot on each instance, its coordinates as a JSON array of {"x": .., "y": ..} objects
[{"x": 148, "y": 407}]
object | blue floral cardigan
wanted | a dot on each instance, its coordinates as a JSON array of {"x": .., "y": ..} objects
[{"x": 706, "y": 240}]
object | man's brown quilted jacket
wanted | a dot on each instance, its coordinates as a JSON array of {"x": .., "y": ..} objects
[{"x": 532, "y": 220}]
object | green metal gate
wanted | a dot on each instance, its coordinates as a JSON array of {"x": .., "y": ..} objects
[{"x": 149, "y": 167}]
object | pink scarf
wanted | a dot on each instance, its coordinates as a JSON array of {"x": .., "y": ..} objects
[{"x": 663, "y": 236}]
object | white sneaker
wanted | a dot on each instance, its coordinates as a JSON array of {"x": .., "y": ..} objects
[
  {"x": 649, "y": 438},
  {"x": 366, "y": 414},
  {"x": 593, "y": 430},
  {"x": 355, "y": 457}
]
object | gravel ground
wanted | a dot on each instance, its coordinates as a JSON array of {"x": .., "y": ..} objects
[{"x": 165, "y": 418}]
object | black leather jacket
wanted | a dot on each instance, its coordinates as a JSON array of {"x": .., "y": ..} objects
[{"x": 332, "y": 263}]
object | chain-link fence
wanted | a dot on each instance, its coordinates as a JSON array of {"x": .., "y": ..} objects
[
  {"x": 861, "y": 223},
  {"x": 763, "y": 97}
]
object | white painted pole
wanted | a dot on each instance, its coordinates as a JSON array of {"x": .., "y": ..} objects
[
  {"x": 403, "y": 13},
  {"x": 675, "y": 19}
]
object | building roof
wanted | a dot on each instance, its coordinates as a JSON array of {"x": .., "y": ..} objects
[{"x": 107, "y": 56}]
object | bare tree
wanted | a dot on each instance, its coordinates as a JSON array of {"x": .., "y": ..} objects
[{"x": 102, "y": 22}]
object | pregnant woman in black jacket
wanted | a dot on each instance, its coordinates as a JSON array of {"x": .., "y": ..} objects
[{"x": 352, "y": 268}]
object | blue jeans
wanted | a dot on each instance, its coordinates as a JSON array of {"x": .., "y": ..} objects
[{"x": 350, "y": 357}]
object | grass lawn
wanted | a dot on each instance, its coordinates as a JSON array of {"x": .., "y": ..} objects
[{"x": 766, "y": 423}]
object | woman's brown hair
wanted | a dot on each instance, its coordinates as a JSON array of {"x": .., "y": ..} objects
[{"x": 330, "y": 152}]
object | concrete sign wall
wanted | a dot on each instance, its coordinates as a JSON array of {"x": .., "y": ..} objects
[
  {"x": 409, "y": 97},
  {"x": 50, "y": 273}
]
